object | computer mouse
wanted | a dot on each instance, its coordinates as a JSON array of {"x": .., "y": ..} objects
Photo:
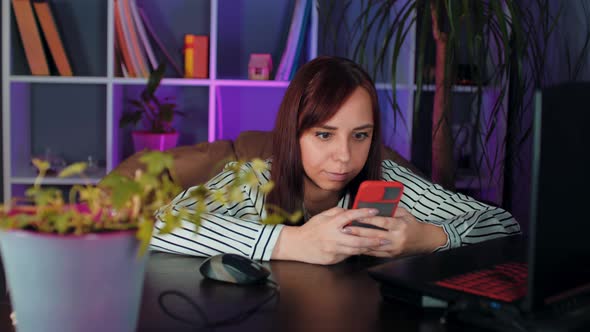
[{"x": 234, "y": 269}]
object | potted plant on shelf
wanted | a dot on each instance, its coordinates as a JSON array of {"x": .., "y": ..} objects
[
  {"x": 78, "y": 264},
  {"x": 155, "y": 114}
]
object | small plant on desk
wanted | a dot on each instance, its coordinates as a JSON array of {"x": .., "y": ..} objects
[{"x": 93, "y": 243}]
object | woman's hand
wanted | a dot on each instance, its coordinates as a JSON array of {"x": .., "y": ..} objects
[
  {"x": 321, "y": 240},
  {"x": 405, "y": 234}
]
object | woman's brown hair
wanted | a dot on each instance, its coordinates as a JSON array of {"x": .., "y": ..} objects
[{"x": 315, "y": 94}]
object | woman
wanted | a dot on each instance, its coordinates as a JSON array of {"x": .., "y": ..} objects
[{"x": 326, "y": 142}]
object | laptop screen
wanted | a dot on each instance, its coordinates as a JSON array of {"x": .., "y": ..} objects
[{"x": 559, "y": 252}]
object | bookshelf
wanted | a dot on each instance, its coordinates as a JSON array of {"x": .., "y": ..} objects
[{"x": 77, "y": 117}]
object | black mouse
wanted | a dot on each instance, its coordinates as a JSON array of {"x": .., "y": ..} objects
[{"x": 234, "y": 269}]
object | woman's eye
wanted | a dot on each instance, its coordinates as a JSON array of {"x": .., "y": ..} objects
[
  {"x": 361, "y": 136},
  {"x": 323, "y": 135}
]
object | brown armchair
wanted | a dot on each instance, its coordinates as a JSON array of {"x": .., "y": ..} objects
[{"x": 195, "y": 164}]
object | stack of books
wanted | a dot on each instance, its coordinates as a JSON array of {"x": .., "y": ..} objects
[{"x": 34, "y": 19}]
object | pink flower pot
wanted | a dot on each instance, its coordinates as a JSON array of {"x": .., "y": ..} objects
[{"x": 147, "y": 140}]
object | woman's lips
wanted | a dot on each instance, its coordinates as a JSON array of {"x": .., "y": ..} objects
[{"x": 339, "y": 177}]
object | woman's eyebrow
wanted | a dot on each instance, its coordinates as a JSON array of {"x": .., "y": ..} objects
[{"x": 367, "y": 126}]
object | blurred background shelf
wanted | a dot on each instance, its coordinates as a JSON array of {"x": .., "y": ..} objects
[{"x": 78, "y": 116}]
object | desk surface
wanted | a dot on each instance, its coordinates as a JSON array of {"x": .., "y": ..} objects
[{"x": 340, "y": 297}]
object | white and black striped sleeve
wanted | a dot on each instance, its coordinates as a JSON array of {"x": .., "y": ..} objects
[
  {"x": 225, "y": 228},
  {"x": 464, "y": 220}
]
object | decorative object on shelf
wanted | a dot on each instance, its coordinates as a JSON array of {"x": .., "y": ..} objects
[
  {"x": 259, "y": 66},
  {"x": 88, "y": 253},
  {"x": 156, "y": 116},
  {"x": 196, "y": 56}
]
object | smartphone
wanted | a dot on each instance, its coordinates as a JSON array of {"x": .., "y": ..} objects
[{"x": 381, "y": 195}]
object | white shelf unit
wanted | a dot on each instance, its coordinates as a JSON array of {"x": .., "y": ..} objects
[{"x": 77, "y": 117}]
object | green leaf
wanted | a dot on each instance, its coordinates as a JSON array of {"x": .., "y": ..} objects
[
  {"x": 113, "y": 179},
  {"x": 136, "y": 103},
  {"x": 130, "y": 118},
  {"x": 155, "y": 78},
  {"x": 41, "y": 165},
  {"x": 144, "y": 235},
  {"x": 199, "y": 193},
  {"x": 171, "y": 222},
  {"x": 273, "y": 219},
  {"x": 157, "y": 161},
  {"x": 62, "y": 222},
  {"x": 166, "y": 112},
  {"x": 149, "y": 181},
  {"x": 122, "y": 193},
  {"x": 73, "y": 169}
]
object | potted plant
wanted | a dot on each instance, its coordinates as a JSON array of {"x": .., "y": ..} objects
[
  {"x": 78, "y": 264},
  {"x": 499, "y": 47},
  {"x": 155, "y": 114}
]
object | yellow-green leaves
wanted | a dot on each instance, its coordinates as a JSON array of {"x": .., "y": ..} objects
[
  {"x": 144, "y": 234},
  {"x": 41, "y": 165},
  {"x": 276, "y": 215},
  {"x": 267, "y": 187},
  {"x": 157, "y": 162},
  {"x": 73, "y": 169},
  {"x": 120, "y": 203}
]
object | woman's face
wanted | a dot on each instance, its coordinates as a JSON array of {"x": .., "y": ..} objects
[{"x": 334, "y": 152}]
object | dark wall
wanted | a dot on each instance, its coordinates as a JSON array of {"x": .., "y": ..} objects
[{"x": 567, "y": 60}]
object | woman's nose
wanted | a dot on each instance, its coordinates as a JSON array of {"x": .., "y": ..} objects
[{"x": 342, "y": 151}]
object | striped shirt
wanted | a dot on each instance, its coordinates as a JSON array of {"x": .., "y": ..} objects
[{"x": 237, "y": 227}]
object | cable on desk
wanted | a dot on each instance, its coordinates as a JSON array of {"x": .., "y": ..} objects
[{"x": 205, "y": 321}]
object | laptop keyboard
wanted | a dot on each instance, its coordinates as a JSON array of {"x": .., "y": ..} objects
[{"x": 505, "y": 282}]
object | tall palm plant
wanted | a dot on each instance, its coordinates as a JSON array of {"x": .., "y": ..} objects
[{"x": 484, "y": 42}]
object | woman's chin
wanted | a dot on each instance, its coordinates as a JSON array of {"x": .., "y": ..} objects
[{"x": 334, "y": 185}]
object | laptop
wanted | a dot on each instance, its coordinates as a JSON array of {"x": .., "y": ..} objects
[{"x": 521, "y": 279}]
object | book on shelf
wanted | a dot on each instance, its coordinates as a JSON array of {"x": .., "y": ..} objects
[
  {"x": 155, "y": 38},
  {"x": 147, "y": 47},
  {"x": 51, "y": 34},
  {"x": 294, "y": 39},
  {"x": 301, "y": 38},
  {"x": 137, "y": 50},
  {"x": 123, "y": 46},
  {"x": 120, "y": 71},
  {"x": 128, "y": 43},
  {"x": 31, "y": 39}
]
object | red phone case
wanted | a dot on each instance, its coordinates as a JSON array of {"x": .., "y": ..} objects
[{"x": 382, "y": 195}]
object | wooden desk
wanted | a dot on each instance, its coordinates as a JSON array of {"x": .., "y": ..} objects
[{"x": 341, "y": 297}]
